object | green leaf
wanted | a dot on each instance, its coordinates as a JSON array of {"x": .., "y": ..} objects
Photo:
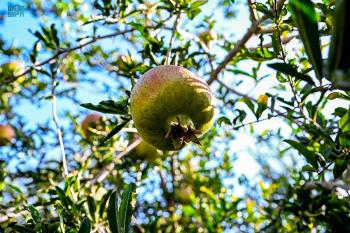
[
  {"x": 340, "y": 47},
  {"x": 125, "y": 209},
  {"x": 54, "y": 35},
  {"x": 308, "y": 168},
  {"x": 241, "y": 116},
  {"x": 344, "y": 139},
  {"x": 109, "y": 106},
  {"x": 248, "y": 102},
  {"x": 339, "y": 167},
  {"x": 34, "y": 213},
  {"x": 276, "y": 45},
  {"x": 344, "y": 122},
  {"x": 262, "y": 105},
  {"x": 85, "y": 226},
  {"x": 304, "y": 16},
  {"x": 104, "y": 202},
  {"x": 62, "y": 196},
  {"x": 263, "y": 9},
  {"x": 225, "y": 120},
  {"x": 114, "y": 132},
  {"x": 292, "y": 71},
  {"x": 197, "y": 4},
  {"x": 309, "y": 155},
  {"x": 92, "y": 207},
  {"x": 23, "y": 229},
  {"x": 338, "y": 95},
  {"x": 112, "y": 213}
]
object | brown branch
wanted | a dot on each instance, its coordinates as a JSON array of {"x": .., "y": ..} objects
[
  {"x": 172, "y": 38},
  {"x": 263, "y": 30},
  {"x": 240, "y": 45},
  {"x": 64, "y": 51},
  {"x": 325, "y": 185},
  {"x": 251, "y": 10},
  {"x": 284, "y": 40}
]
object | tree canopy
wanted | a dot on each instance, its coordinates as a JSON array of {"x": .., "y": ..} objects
[{"x": 275, "y": 160}]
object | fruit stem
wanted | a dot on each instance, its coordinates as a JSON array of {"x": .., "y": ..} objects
[{"x": 181, "y": 134}]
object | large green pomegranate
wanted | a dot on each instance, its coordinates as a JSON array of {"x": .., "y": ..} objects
[{"x": 170, "y": 105}]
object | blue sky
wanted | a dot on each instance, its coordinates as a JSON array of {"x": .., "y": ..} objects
[
  {"x": 243, "y": 146},
  {"x": 16, "y": 30}
]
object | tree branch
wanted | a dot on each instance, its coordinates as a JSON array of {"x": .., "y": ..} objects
[
  {"x": 64, "y": 51},
  {"x": 325, "y": 185},
  {"x": 58, "y": 128},
  {"x": 172, "y": 38},
  {"x": 278, "y": 113},
  {"x": 240, "y": 45},
  {"x": 100, "y": 176}
]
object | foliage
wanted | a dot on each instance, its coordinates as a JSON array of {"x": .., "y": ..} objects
[{"x": 299, "y": 126}]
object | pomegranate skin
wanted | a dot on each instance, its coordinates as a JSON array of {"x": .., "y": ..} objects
[
  {"x": 90, "y": 120},
  {"x": 165, "y": 95},
  {"x": 6, "y": 134}
]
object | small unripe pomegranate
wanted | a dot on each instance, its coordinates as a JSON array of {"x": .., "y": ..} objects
[
  {"x": 170, "y": 105},
  {"x": 183, "y": 194},
  {"x": 207, "y": 37},
  {"x": 10, "y": 69},
  {"x": 124, "y": 62},
  {"x": 145, "y": 151},
  {"x": 6, "y": 134},
  {"x": 91, "y": 121}
]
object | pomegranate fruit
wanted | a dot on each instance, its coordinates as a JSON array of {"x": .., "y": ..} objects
[
  {"x": 183, "y": 194},
  {"x": 145, "y": 151},
  {"x": 6, "y": 134},
  {"x": 10, "y": 69},
  {"x": 207, "y": 37},
  {"x": 170, "y": 105},
  {"x": 91, "y": 121}
]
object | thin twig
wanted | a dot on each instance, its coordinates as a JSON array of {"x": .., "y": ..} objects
[
  {"x": 58, "y": 128},
  {"x": 284, "y": 40},
  {"x": 256, "y": 101},
  {"x": 238, "y": 47},
  {"x": 326, "y": 185},
  {"x": 59, "y": 133},
  {"x": 251, "y": 10},
  {"x": 290, "y": 79},
  {"x": 172, "y": 38},
  {"x": 64, "y": 51},
  {"x": 328, "y": 165},
  {"x": 173, "y": 182},
  {"x": 240, "y": 44},
  {"x": 262, "y": 119},
  {"x": 99, "y": 177}
]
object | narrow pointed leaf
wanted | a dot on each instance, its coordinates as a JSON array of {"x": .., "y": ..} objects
[
  {"x": 114, "y": 132},
  {"x": 339, "y": 167},
  {"x": 304, "y": 16},
  {"x": 85, "y": 226},
  {"x": 112, "y": 213},
  {"x": 125, "y": 209},
  {"x": 339, "y": 60},
  {"x": 292, "y": 71},
  {"x": 309, "y": 155},
  {"x": 104, "y": 202}
]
